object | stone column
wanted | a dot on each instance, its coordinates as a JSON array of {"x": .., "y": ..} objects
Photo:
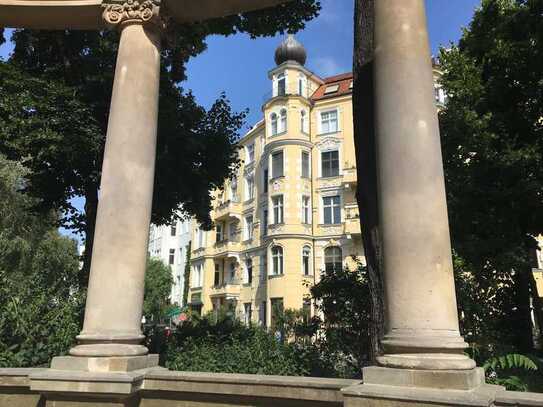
[
  {"x": 421, "y": 315},
  {"x": 115, "y": 294}
]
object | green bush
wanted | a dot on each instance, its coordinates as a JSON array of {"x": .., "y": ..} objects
[{"x": 226, "y": 345}]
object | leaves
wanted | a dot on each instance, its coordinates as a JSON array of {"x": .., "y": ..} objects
[{"x": 510, "y": 361}]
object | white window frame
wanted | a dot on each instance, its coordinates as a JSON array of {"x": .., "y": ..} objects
[
  {"x": 280, "y": 261},
  {"x": 338, "y": 195},
  {"x": 274, "y": 124},
  {"x": 302, "y": 84},
  {"x": 249, "y": 227},
  {"x": 246, "y": 276},
  {"x": 331, "y": 150},
  {"x": 320, "y": 121},
  {"x": 278, "y": 202},
  {"x": 306, "y": 249},
  {"x": 249, "y": 187},
  {"x": 280, "y": 77},
  {"x": 306, "y": 209},
  {"x": 283, "y": 120},
  {"x": 250, "y": 150},
  {"x": 273, "y": 175},
  {"x": 304, "y": 121},
  {"x": 305, "y": 152}
]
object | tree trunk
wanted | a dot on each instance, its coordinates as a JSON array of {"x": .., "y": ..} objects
[
  {"x": 364, "y": 130},
  {"x": 91, "y": 207}
]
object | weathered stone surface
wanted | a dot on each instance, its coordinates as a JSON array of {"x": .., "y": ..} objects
[
  {"x": 104, "y": 364},
  {"x": 437, "y": 379}
]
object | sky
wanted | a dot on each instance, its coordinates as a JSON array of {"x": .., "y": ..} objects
[{"x": 238, "y": 65}]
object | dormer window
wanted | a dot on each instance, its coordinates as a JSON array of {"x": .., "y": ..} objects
[
  {"x": 331, "y": 89},
  {"x": 281, "y": 85}
]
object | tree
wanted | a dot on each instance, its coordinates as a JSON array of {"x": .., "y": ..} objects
[
  {"x": 186, "y": 276},
  {"x": 365, "y": 150},
  {"x": 41, "y": 304},
  {"x": 158, "y": 286},
  {"x": 492, "y": 131},
  {"x": 85, "y": 62},
  {"x": 342, "y": 297}
]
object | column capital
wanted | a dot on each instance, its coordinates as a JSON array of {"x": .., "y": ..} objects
[{"x": 118, "y": 13}]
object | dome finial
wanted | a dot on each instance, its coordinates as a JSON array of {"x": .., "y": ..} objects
[{"x": 290, "y": 50}]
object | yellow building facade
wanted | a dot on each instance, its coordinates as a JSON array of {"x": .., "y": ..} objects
[{"x": 291, "y": 211}]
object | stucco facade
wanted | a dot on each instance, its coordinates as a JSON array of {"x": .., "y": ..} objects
[{"x": 292, "y": 206}]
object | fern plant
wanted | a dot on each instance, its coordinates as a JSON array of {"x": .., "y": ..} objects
[{"x": 497, "y": 367}]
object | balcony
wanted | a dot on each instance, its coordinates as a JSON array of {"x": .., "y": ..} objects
[
  {"x": 229, "y": 290},
  {"x": 228, "y": 210},
  {"x": 228, "y": 247},
  {"x": 349, "y": 178},
  {"x": 352, "y": 221}
]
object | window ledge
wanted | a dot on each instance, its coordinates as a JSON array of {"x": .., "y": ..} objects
[
  {"x": 276, "y": 178},
  {"x": 275, "y": 276},
  {"x": 330, "y": 224},
  {"x": 329, "y": 133}
]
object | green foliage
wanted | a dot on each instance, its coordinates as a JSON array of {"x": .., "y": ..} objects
[
  {"x": 343, "y": 297},
  {"x": 492, "y": 138},
  {"x": 158, "y": 286},
  {"x": 186, "y": 276},
  {"x": 224, "y": 344},
  {"x": 40, "y": 302},
  {"x": 510, "y": 361}
]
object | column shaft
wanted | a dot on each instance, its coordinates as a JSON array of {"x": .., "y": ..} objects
[
  {"x": 115, "y": 294},
  {"x": 422, "y": 322}
]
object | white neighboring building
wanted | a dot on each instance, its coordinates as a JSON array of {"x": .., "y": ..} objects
[{"x": 170, "y": 244}]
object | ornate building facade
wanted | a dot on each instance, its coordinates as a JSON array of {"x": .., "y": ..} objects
[{"x": 291, "y": 212}]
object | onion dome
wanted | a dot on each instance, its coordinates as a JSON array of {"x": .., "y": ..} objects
[{"x": 290, "y": 50}]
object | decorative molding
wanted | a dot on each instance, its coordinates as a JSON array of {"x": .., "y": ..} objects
[{"x": 119, "y": 12}]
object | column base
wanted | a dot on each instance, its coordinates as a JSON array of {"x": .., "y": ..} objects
[
  {"x": 427, "y": 361},
  {"x": 386, "y": 387},
  {"x": 104, "y": 364}
]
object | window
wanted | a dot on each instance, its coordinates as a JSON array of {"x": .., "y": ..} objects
[
  {"x": 281, "y": 85},
  {"x": 266, "y": 177},
  {"x": 180, "y": 256},
  {"x": 249, "y": 271},
  {"x": 277, "y": 260},
  {"x": 332, "y": 210},
  {"x": 250, "y": 153},
  {"x": 200, "y": 238},
  {"x": 217, "y": 277},
  {"x": 330, "y": 163},
  {"x": 231, "y": 274},
  {"x": 247, "y": 312},
  {"x": 249, "y": 227},
  {"x": 232, "y": 231},
  {"x": 173, "y": 230},
  {"x": 333, "y": 258},
  {"x": 250, "y": 184},
  {"x": 302, "y": 81},
  {"x": 171, "y": 259},
  {"x": 305, "y": 164},
  {"x": 234, "y": 190},
  {"x": 283, "y": 121},
  {"x": 262, "y": 313},
  {"x": 306, "y": 210},
  {"x": 219, "y": 232},
  {"x": 263, "y": 267},
  {"x": 306, "y": 310},
  {"x": 329, "y": 122},
  {"x": 304, "y": 122},
  {"x": 197, "y": 278},
  {"x": 277, "y": 164},
  {"x": 278, "y": 215},
  {"x": 306, "y": 261},
  {"x": 264, "y": 222},
  {"x": 331, "y": 89},
  {"x": 276, "y": 312},
  {"x": 274, "y": 123}
]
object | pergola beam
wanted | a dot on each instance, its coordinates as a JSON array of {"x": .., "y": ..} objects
[{"x": 87, "y": 14}]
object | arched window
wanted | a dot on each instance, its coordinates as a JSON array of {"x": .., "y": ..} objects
[
  {"x": 306, "y": 261},
  {"x": 274, "y": 128},
  {"x": 304, "y": 122},
  {"x": 283, "y": 123},
  {"x": 277, "y": 260},
  {"x": 333, "y": 258},
  {"x": 281, "y": 85}
]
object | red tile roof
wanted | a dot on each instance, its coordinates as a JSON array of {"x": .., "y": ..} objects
[{"x": 344, "y": 81}]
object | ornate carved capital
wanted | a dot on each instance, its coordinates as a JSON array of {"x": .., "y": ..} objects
[{"x": 119, "y": 12}]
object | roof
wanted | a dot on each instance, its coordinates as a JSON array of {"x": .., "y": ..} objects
[{"x": 343, "y": 83}]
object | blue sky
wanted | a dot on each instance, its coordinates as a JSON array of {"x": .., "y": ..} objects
[{"x": 238, "y": 65}]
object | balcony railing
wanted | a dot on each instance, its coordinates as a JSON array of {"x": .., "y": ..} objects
[{"x": 229, "y": 209}]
